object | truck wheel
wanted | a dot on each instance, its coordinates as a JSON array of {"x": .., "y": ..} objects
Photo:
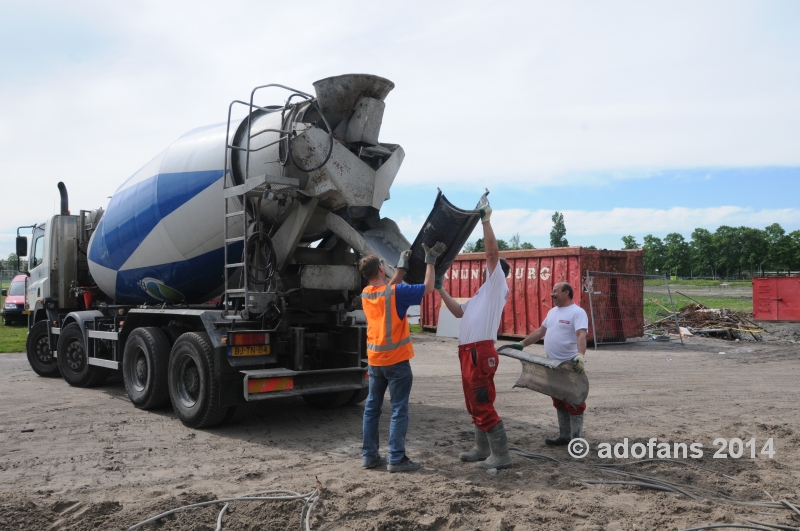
[
  {"x": 328, "y": 400},
  {"x": 358, "y": 396},
  {"x": 38, "y": 349},
  {"x": 172, "y": 333},
  {"x": 238, "y": 413},
  {"x": 73, "y": 361},
  {"x": 144, "y": 368},
  {"x": 192, "y": 387}
]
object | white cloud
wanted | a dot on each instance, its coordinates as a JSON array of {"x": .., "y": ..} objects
[
  {"x": 525, "y": 92},
  {"x": 534, "y": 225}
]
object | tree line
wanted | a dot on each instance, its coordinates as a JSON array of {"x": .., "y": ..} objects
[{"x": 727, "y": 252}]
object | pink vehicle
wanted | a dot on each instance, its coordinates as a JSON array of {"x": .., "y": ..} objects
[{"x": 14, "y": 307}]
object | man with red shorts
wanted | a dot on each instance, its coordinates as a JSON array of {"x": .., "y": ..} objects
[
  {"x": 480, "y": 320},
  {"x": 564, "y": 332}
]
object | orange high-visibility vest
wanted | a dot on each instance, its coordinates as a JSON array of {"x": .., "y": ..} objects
[{"x": 388, "y": 336}]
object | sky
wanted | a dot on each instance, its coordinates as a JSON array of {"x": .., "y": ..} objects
[{"x": 629, "y": 117}]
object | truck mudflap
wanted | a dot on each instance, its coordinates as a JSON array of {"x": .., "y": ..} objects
[
  {"x": 446, "y": 223},
  {"x": 550, "y": 377},
  {"x": 264, "y": 384}
]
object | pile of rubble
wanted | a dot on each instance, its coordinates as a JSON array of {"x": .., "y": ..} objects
[{"x": 696, "y": 319}]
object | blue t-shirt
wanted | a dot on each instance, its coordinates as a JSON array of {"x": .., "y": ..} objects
[{"x": 406, "y": 295}]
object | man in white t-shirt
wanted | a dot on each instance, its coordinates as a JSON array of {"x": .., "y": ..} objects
[
  {"x": 480, "y": 320},
  {"x": 564, "y": 332}
]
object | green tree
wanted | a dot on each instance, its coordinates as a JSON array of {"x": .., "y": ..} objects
[
  {"x": 630, "y": 242},
  {"x": 727, "y": 249},
  {"x": 513, "y": 243},
  {"x": 478, "y": 246},
  {"x": 502, "y": 245},
  {"x": 591, "y": 247},
  {"x": 653, "y": 255},
  {"x": 676, "y": 253},
  {"x": 793, "y": 253},
  {"x": 781, "y": 248},
  {"x": 754, "y": 248},
  {"x": 558, "y": 236},
  {"x": 702, "y": 251},
  {"x": 527, "y": 245}
]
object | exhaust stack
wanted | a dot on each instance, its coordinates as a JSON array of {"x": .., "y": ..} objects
[{"x": 64, "y": 199}]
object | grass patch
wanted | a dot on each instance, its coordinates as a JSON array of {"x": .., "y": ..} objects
[
  {"x": 12, "y": 338},
  {"x": 687, "y": 282},
  {"x": 415, "y": 328}
]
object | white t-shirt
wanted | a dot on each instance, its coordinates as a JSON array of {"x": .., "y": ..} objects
[
  {"x": 482, "y": 312},
  {"x": 560, "y": 341}
]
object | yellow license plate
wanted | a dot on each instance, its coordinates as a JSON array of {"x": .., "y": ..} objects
[{"x": 256, "y": 350}]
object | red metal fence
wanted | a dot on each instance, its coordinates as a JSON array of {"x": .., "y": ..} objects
[
  {"x": 530, "y": 281},
  {"x": 776, "y": 298}
]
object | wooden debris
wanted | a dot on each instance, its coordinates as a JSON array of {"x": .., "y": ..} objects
[{"x": 700, "y": 320}]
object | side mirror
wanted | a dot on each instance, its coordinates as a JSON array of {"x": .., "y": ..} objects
[
  {"x": 4, "y": 293},
  {"x": 22, "y": 246}
]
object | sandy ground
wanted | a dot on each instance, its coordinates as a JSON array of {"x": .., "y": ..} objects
[{"x": 86, "y": 459}]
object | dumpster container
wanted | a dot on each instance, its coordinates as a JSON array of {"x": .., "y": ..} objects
[
  {"x": 776, "y": 298},
  {"x": 530, "y": 281}
]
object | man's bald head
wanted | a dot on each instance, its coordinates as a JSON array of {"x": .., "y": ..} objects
[{"x": 562, "y": 294}]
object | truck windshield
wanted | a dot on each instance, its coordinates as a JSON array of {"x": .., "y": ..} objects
[{"x": 17, "y": 288}]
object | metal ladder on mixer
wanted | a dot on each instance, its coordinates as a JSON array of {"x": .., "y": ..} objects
[{"x": 235, "y": 299}]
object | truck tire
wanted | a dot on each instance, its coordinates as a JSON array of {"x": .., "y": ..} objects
[
  {"x": 144, "y": 368},
  {"x": 173, "y": 333},
  {"x": 73, "y": 361},
  {"x": 192, "y": 387},
  {"x": 40, "y": 356},
  {"x": 358, "y": 396},
  {"x": 238, "y": 413},
  {"x": 328, "y": 400}
]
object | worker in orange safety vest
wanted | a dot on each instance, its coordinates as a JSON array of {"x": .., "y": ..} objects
[{"x": 389, "y": 350}]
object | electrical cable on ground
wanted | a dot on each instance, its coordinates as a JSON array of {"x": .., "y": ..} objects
[
  {"x": 776, "y": 526},
  {"x": 728, "y": 526},
  {"x": 663, "y": 485},
  {"x": 309, "y": 502}
]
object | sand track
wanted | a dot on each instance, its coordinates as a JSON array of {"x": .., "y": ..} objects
[{"x": 85, "y": 458}]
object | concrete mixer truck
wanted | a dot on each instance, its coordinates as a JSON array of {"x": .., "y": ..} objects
[{"x": 224, "y": 272}]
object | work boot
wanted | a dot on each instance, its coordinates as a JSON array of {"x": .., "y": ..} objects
[
  {"x": 498, "y": 444},
  {"x": 405, "y": 465},
  {"x": 374, "y": 462},
  {"x": 481, "y": 449},
  {"x": 564, "y": 433},
  {"x": 576, "y": 426}
]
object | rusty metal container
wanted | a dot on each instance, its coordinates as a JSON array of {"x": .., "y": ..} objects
[
  {"x": 776, "y": 298},
  {"x": 531, "y": 278}
]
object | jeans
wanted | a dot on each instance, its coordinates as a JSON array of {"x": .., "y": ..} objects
[{"x": 398, "y": 379}]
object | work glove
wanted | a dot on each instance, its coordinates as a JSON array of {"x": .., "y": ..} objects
[
  {"x": 438, "y": 284},
  {"x": 432, "y": 253},
  {"x": 486, "y": 213},
  {"x": 405, "y": 257},
  {"x": 578, "y": 362},
  {"x": 516, "y": 346}
]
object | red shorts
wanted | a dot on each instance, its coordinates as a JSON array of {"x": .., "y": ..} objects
[
  {"x": 573, "y": 410},
  {"x": 478, "y": 365}
]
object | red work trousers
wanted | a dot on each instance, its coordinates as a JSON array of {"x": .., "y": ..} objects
[
  {"x": 572, "y": 410},
  {"x": 478, "y": 365}
]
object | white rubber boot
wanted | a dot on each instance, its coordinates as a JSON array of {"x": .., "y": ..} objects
[
  {"x": 564, "y": 433},
  {"x": 498, "y": 443},
  {"x": 481, "y": 449},
  {"x": 576, "y": 426}
]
